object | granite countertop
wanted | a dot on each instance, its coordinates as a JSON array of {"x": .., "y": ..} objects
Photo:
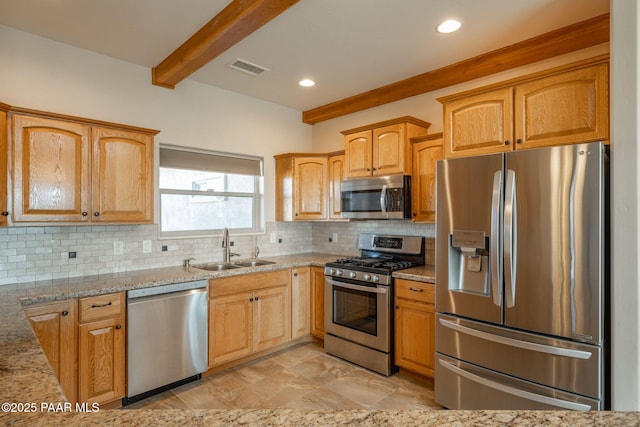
[
  {"x": 27, "y": 381},
  {"x": 424, "y": 273}
]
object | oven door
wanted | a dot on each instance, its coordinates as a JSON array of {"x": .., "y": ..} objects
[{"x": 359, "y": 312}]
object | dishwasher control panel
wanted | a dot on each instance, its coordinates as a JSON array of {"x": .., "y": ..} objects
[{"x": 165, "y": 289}]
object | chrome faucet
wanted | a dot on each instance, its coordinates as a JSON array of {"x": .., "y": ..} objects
[{"x": 227, "y": 246}]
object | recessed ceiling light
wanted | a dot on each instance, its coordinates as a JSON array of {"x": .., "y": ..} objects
[
  {"x": 449, "y": 26},
  {"x": 306, "y": 82}
]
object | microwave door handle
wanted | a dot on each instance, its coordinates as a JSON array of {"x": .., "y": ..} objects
[{"x": 383, "y": 199}]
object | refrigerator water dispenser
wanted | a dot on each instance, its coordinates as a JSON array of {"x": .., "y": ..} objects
[{"x": 469, "y": 262}]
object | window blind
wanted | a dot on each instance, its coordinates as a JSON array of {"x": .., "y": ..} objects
[{"x": 178, "y": 158}]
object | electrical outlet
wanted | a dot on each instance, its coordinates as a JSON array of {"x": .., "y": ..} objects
[
  {"x": 118, "y": 248},
  {"x": 72, "y": 254},
  {"x": 335, "y": 238},
  {"x": 146, "y": 246},
  {"x": 165, "y": 248}
]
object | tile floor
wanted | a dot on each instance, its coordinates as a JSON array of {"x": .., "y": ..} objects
[{"x": 303, "y": 377}]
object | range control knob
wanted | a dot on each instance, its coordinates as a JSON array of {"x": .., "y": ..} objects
[
  {"x": 338, "y": 272},
  {"x": 367, "y": 276},
  {"x": 332, "y": 272},
  {"x": 353, "y": 274},
  {"x": 375, "y": 279}
]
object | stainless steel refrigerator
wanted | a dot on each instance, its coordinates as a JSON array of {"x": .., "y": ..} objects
[{"x": 521, "y": 280}]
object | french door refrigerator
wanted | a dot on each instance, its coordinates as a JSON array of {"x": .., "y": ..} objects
[{"x": 521, "y": 280}]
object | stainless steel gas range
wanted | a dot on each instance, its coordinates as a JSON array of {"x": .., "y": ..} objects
[{"x": 359, "y": 299}]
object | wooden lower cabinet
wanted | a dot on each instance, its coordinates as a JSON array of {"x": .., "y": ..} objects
[
  {"x": 317, "y": 302},
  {"x": 56, "y": 329},
  {"x": 300, "y": 302},
  {"x": 101, "y": 350},
  {"x": 247, "y": 314},
  {"x": 415, "y": 326}
]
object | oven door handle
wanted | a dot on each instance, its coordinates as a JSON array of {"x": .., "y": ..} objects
[{"x": 357, "y": 287}]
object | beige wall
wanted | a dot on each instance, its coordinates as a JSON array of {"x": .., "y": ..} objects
[
  {"x": 41, "y": 74},
  {"x": 327, "y": 137}
]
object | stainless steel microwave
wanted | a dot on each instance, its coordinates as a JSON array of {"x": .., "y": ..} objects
[{"x": 384, "y": 197}]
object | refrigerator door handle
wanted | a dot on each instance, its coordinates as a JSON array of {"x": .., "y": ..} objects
[
  {"x": 565, "y": 404},
  {"x": 510, "y": 239},
  {"x": 541, "y": 348},
  {"x": 495, "y": 255}
]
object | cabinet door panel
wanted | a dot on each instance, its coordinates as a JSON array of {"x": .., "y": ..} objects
[
  {"x": 122, "y": 176},
  {"x": 101, "y": 373},
  {"x": 55, "y": 327},
  {"x": 357, "y": 154},
  {"x": 230, "y": 327},
  {"x": 336, "y": 175},
  {"x": 565, "y": 108},
  {"x": 300, "y": 302},
  {"x": 388, "y": 150},
  {"x": 479, "y": 124},
  {"x": 310, "y": 188},
  {"x": 4, "y": 158},
  {"x": 272, "y": 313},
  {"x": 425, "y": 156},
  {"x": 317, "y": 302},
  {"x": 415, "y": 344},
  {"x": 51, "y": 170}
]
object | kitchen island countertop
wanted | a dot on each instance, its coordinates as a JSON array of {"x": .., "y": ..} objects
[{"x": 27, "y": 381}]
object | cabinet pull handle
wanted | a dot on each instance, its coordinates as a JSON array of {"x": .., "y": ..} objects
[
  {"x": 519, "y": 140},
  {"x": 416, "y": 290},
  {"x": 64, "y": 312},
  {"x": 84, "y": 214},
  {"x": 5, "y": 213},
  {"x": 257, "y": 298},
  {"x": 250, "y": 299},
  {"x": 118, "y": 326},
  {"x": 507, "y": 142},
  {"x": 96, "y": 214},
  {"x": 101, "y": 305}
]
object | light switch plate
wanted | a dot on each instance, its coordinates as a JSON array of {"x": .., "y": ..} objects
[
  {"x": 118, "y": 248},
  {"x": 146, "y": 246},
  {"x": 334, "y": 238}
]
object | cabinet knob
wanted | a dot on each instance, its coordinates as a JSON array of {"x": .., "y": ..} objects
[
  {"x": 250, "y": 299},
  {"x": 397, "y": 307},
  {"x": 5, "y": 213},
  {"x": 374, "y": 169},
  {"x": 507, "y": 142},
  {"x": 295, "y": 274},
  {"x": 368, "y": 170},
  {"x": 519, "y": 140},
  {"x": 415, "y": 214},
  {"x": 96, "y": 214},
  {"x": 118, "y": 326},
  {"x": 296, "y": 213},
  {"x": 84, "y": 214},
  {"x": 64, "y": 312},
  {"x": 257, "y": 298}
]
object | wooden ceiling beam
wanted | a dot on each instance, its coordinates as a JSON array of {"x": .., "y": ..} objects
[
  {"x": 235, "y": 22},
  {"x": 574, "y": 37}
]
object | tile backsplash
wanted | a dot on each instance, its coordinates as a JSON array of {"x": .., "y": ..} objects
[{"x": 42, "y": 253}]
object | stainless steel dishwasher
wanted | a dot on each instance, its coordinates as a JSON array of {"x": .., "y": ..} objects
[{"x": 167, "y": 339}]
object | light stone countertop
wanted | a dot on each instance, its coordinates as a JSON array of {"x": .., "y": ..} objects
[{"x": 26, "y": 378}]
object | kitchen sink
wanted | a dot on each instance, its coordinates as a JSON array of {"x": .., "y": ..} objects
[
  {"x": 216, "y": 266},
  {"x": 253, "y": 263}
]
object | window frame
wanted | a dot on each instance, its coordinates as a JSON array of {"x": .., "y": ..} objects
[{"x": 257, "y": 216}]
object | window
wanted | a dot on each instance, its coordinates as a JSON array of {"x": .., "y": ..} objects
[{"x": 202, "y": 192}]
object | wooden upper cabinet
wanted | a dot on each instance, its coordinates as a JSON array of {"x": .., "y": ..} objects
[
  {"x": 565, "y": 105},
  {"x": 564, "y": 108},
  {"x": 302, "y": 187},
  {"x": 336, "y": 176},
  {"x": 381, "y": 148},
  {"x": 479, "y": 124},
  {"x": 122, "y": 176},
  {"x": 427, "y": 150},
  {"x": 4, "y": 158},
  {"x": 50, "y": 169}
]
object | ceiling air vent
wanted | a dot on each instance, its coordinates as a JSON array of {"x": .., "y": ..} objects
[{"x": 247, "y": 67}]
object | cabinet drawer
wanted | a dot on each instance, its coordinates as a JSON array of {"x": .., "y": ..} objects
[
  {"x": 418, "y": 291},
  {"x": 248, "y": 282},
  {"x": 101, "y": 306}
]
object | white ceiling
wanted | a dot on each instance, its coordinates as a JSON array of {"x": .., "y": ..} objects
[{"x": 346, "y": 46}]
